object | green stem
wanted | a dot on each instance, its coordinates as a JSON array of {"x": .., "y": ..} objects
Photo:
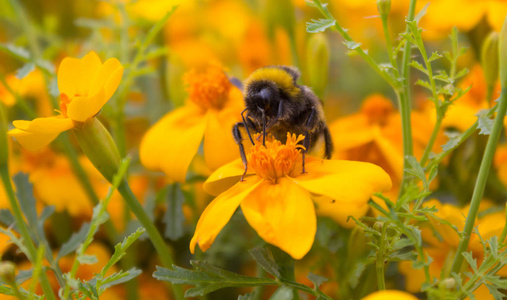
[
  {"x": 285, "y": 266},
  {"x": 381, "y": 260},
  {"x": 387, "y": 35},
  {"x": 23, "y": 229},
  {"x": 153, "y": 233},
  {"x": 433, "y": 138},
  {"x": 481, "y": 182}
]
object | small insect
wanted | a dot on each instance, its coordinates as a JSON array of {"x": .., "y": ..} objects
[{"x": 276, "y": 104}]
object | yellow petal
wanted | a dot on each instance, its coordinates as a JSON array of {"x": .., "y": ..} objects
[
  {"x": 340, "y": 210},
  {"x": 283, "y": 215},
  {"x": 218, "y": 213},
  {"x": 109, "y": 77},
  {"x": 67, "y": 81},
  {"x": 82, "y": 108},
  {"x": 219, "y": 145},
  {"x": 390, "y": 295},
  {"x": 90, "y": 68},
  {"x": 172, "y": 142},
  {"x": 343, "y": 180},
  {"x": 33, "y": 141},
  {"x": 226, "y": 176},
  {"x": 45, "y": 125}
]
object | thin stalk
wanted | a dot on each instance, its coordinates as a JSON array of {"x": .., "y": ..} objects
[
  {"x": 381, "y": 281},
  {"x": 480, "y": 184},
  {"x": 153, "y": 233},
  {"x": 431, "y": 142},
  {"x": 389, "y": 45},
  {"x": 23, "y": 229}
]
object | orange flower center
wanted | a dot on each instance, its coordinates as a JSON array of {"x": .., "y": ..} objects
[
  {"x": 64, "y": 101},
  {"x": 377, "y": 109},
  {"x": 208, "y": 88},
  {"x": 276, "y": 160}
]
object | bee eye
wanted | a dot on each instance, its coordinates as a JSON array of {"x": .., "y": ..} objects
[{"x": 265, "y": 94}]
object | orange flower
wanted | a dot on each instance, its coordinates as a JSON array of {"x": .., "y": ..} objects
[
  {"x": 276, "y": 198},
  {"x": 85, "y": 86},
  {"x": 213, "y": 106}
]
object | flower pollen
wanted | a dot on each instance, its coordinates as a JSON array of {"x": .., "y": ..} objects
[
  {"x": 208, "y": 87},
  {"x": 277, "y": 160}
]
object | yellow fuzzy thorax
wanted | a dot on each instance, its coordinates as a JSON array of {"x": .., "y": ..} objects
[{"x": 277, "y": 75}]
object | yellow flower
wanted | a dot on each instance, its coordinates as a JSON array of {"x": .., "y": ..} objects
[
  {"x": 276, "y": 198},
  {"x": 85, "y": 86},
  {"x": 214, "y": 106},
  {"x": 390, "y": 295}
]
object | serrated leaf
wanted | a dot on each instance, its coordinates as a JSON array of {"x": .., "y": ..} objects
[
  {"x": 310, "y": 3},
  {"x": 264, "y": 258},
  {"x": 249, "y": 296},
  {"x": 443, "y": 77},
  {"x": 16, "y": 51},
  {"x": 173, "y": 216},
  {"x": 453, "y": 142},
  {"x": 424, "y": 84},
  {"x": 356, "y": 272},
  {"x": 86, "y": 259},
  {"x": 319, "y": 25},
  {"x": 25, "y": 70},
  {"x": 74, "y": 241},
  {"x": 119, "y": 278},
  {"x": 461, "y": 73},
  {"x": 6, "y": 218},
  {"x": 23, "y": 275},
  {"x": 495, "y": 292},
  {"x": 120, "y": 250},
  {"x": 282, "y": 293},
  {"x": 317, "y": 280},
  {"x": 351, "y": 45},
  {"x": 485, "y": 124},
  {"x": 470, "y": 260},
  {"x": 206, "y": 278},
  {"x": 418, "y": 66},
  {"x": 434, "y": 56}
]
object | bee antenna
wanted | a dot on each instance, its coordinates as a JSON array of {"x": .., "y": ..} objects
[{"x": 246, "y": 126}]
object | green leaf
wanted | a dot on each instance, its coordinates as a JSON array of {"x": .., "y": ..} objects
[
  {"x": 493, "y": 290},
  {"x": 421, "y": 13},
  {"x": 249, "y": 296},
  {"x": 461, "y": 73},
  {"x": 119, "y": 250},
  {"x": 25, "y": 70},
  {"x": 119, "y": 278},
  {"x": 265, "y": 259},
  {"x": 319, "y": 25},
  {"x": 443, "y": 77},
  {"x": 174, "y": 217},
  {"x": 206, "y": 278},
  {"x": 434, "y": 56},
  {"x": 485, "y": 122},
  {"x": 316, "y": 279},
  {"x": 310, "y": 3},
  {"x": 453, "y": 142},
  {"x": 19, "y": 52},
  {"x": 74, "y": 241},
  {"x": 351, "y": 45},
  {"x": 418, "y": 66},
  {"x": 470, "y": 260},
  {"x": 86, "y": 259},
  {"x": 6, "y": 218},
  {"x": 282, "y": 293},
  {"x": 424, "y": 84}
]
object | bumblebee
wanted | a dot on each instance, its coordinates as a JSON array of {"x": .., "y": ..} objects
[{"x": 276, "y": 104}]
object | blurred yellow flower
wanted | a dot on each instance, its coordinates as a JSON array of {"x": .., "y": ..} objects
[
  {"x": 276, "y": 198},
  {"x": 390, "y": 295},
  {"x": 213, "y": 106},
  {"x": 374, "y": 135},
  {"x": 85, "y": 86}
]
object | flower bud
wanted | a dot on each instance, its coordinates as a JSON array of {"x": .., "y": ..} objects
[
  {"x": 489, "y": 58},
  {"x": 503, "y": 55},
  {"x": 99, "y": 146},
  {"x": 8, "y": 272},
  {"x": 4, "y": 143},
  {"x": 383, "y": 6},
  {"x": 448, "y": 284},
  {"x": 317, "y": 55}
]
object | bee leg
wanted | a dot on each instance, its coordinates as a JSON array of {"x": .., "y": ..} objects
[
  {"x": 263, "y": 126},
  {"x": 306, "y": 142},
  {"x": 239, "y": 140},
  {"x": 246, "y": 126},
  {"x": 328, "y": 143}
]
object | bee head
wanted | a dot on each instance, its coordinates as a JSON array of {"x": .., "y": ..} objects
[{"x": 262, "y": 97}]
